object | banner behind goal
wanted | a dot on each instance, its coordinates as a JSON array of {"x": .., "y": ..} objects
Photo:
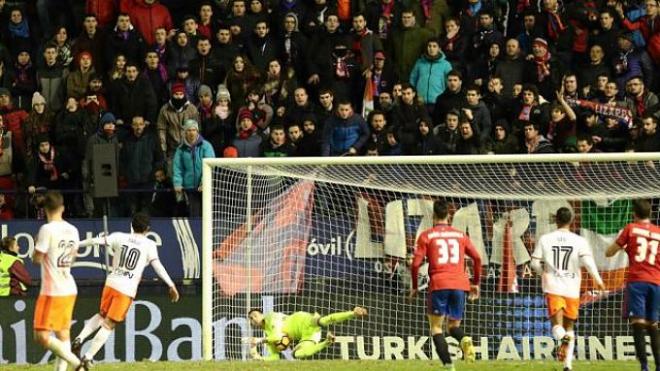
[{"x": 327, "y": 234}]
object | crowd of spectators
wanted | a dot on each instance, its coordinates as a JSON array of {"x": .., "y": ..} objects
[{"x": 171, "y": 82}]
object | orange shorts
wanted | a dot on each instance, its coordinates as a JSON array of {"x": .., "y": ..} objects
[
  {"x": 53, "y": 313},
  {"x": 571, "y": 306},
  {"x": 114, "y": 304}
]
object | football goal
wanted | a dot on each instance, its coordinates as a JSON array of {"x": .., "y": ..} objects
[{"x": 328, "y": 234}]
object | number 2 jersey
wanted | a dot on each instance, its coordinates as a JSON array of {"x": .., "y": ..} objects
[
  {"x": 132, "y": 253},
  {"x": 58, "y": 240},
  {"x": 445, "y": 248},
  {"x": 640, "y": 241},
  {"x": 563, "y": 253}
]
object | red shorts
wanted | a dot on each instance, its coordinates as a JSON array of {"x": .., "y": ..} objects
[
  {"x": 53, "y": 313},
  {"x": 114, "y": 304},
  {"x": 570, "y": 306}
]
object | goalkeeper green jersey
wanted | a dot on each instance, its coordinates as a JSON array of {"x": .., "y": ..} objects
[{"x": 298, "y": 326}]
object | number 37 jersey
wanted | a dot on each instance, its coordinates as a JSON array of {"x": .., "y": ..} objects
[
  {"x": 561, "y": 253},
  {"x": 641, "y": 242},
  {"x": 132, "y": 253}
]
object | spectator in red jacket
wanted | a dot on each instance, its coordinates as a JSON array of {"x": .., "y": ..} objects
[
  {"x": 104, "y": 11},
  {"x": 147, "y": 16}
]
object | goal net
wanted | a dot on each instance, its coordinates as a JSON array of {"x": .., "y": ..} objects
[{"x": 327, "y": 234}]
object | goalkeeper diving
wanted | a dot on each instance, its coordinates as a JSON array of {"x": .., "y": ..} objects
[{"x": 301, "y": 330}]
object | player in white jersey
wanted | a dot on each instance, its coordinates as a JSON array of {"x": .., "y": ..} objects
[
  {"x": 563, "y": 253},
  {"x": 132, "y": 253},
  {"x": 55, "y": 251}
]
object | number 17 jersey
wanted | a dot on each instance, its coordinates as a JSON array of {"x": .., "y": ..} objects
[
  {"x": 132, "y": 253},
  {"x": 560, "y": 251}
]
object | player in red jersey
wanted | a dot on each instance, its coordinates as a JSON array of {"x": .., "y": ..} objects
[
  {"x": 445, "y": 248},
  {"x": 640, "y": 240}
]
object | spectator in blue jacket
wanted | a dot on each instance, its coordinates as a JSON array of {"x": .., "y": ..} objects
[
  {"x": 187, "y": 166},
  {"x": 430, "y": 72},
  {"x": 345, "y": 132}
]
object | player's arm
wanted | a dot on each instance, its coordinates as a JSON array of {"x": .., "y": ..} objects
[
  {"x": 420, "y": 254},
  {"x": 472, "y": 252},
  {"x": 613, "y": 249},
  {"x": 618, "y": 244},
  {"x": 162, "y": 273},
  {"x": 537, "y": 257},
  {"x": 588, "y": 262},
  {"x": 41, "y": 246}
]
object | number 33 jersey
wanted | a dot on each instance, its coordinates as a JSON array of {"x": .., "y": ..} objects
[
  {"x": 561, "y": 253},
  {"x": 445, "y": 248},
  {"x": 132, "y": 253},
  {"x": 58, "y": 240},
  {"x": 641, "y": 242}
]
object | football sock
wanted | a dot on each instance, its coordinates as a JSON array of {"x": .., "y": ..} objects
[
  {"x": 336, "y": 318},
  {"x": 91, "y": 325},
  {"x": 639, "y": 332},
  {"x": 442, "y": 348},
  {"x": 457, "y": 333},
  {"x": 98, "y": 341},
  {"x": 558, "y": 332},
  {"x": 568, "y": 361},
  {"x": 653, "y": 334},
  {"x": 62, "y": 349}
]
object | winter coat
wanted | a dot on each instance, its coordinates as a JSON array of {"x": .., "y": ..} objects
[
  {"x": 309, "y": 145},
  {"x": 340, "y": 135},
  {"x": 76, "y": 83},
  {"x": 512, "y": 71},
  {"x": 428, "y": 145},
  {"x": 34, "y": 125},
  {"x": 208, "y": 70},
  {"x": 481, "y": 120},
  {"x": 51, "y": 80},
  {"x": 248, "y": 147},
  {"x": 95, "y": 46},
  {"x": 72, "y": 129},
  {"x": 130, "y": 99},
  {"x": 132, "y": 47},
  {"x": 13, "y": 120},
  {"x": 104, "y": 11},
  {"x": 39, "y": 176},
  {"x": 147, "y": 17},
  {"x": 139, "y": 157},
  {"x": 187, "y": 163},
  {"x": 429, "y": 77},
  {"x": 261, "y": 51},
  {"x": 170, "y": 125},
  {"x": 408, "y": 45},
  {"x": 269, "y": 150}
]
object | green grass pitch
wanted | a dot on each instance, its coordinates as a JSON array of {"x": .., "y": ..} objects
[{"x": 415, "y": 365}]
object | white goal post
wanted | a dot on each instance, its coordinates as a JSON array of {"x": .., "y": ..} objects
[{"x": 325, "y": 234}]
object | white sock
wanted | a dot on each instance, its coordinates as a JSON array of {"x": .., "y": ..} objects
[
  {"x": 63, "y": 350},
  {"x": 558, "y": 332},
  {"x": 568, "y": 361},
  {"x": 61, "y": 365},
  {"x": 97, "y": 342},
  {"x": 91, "y": 325}
]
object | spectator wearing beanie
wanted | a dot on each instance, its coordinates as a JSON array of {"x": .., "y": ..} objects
[
  {"x": 39, "y": 121},
  {"x": 205, "y": 105},
  {"x": 171, "y": 118},
  {"x": 191, "y": 84},
  {"x": 49, "y": 168},
  {"x": 77, "y": 81},
  {"x": 220, "y": 129},
  {"x": 24, "y": 81},
  {"x": 247, "y": 141},
  {"x": 547, "y": 71}
]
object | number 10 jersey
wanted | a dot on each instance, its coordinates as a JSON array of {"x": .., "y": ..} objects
[
  {"x": 561, "y": 252},
  {"x": 131, "y": 254}
]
